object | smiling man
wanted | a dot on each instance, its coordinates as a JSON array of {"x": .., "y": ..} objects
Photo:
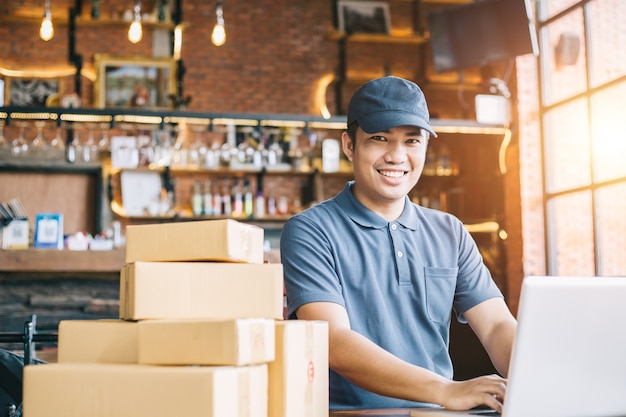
[{"x": 388, "y": 274}]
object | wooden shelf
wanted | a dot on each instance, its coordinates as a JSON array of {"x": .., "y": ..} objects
[
  {"x": 62, "y": 261},
  {"x": 378, "y": 38}
]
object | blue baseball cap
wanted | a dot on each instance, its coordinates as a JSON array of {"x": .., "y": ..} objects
[{"x": 387, "y": 102}]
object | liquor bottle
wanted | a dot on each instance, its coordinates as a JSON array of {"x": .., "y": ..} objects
[
  {"x": 271, "y": 206},
  {"x": 217, "y": 199},
  {"x": 227, "y": 204},
  {"x": 247, "y": 199},
  {"x": 259, "y": 204},
  {"x": 282, "y": 205},
  {"x": 196, "y": 199},
  {"x": 237, "y": 199},
  {"x": 207, "y": 199}
]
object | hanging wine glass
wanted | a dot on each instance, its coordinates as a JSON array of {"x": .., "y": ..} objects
[
  {"x": 104, "y": 144},
  {"x": 198, "y": 149},
  {"x": 75, "y": 147},
  {"x": 39, "y": 144},
  {"x": 164, "y": 149},
  {"x": 90, "y": 148},
  {"x": 58, "y": 142},
  {"x": 19, "y": 146}
]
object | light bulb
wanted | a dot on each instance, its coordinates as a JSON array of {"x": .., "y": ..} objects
[
  {"x": 218, "y": 37},
  {"x": 178, "y": 42},
  {"x": 46, "y": 31},
  {"x": 135, "y": 33}
]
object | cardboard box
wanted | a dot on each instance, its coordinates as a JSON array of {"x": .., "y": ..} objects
[
  {"x": 97, "y": 341},
  {"x": 224, "y": 240},
  {"x": 206, "y": 342},
  {"x": 104, "y": 390},
  {"x": 175, "y": 290},
  {"x": 298, "y": 377}
]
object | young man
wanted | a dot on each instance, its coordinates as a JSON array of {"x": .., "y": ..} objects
[{"x": 386, "y": 273}]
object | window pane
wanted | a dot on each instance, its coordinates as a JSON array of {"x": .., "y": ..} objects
[
  {"x": 608, "y": 118},
  {"x": 551, "y": 7},
  {"x": 570, "y": 234},
  {"x": 610, "y": 209},
  {"x": 607, "y": 37},
  {"x": 567, "y": 156},
  {"x": 565, "y": 76}
]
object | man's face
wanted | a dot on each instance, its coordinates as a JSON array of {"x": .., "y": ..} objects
[{"x": 387, "y": 165}]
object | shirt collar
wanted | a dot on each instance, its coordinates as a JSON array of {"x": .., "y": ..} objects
[{"x": 367, "y": 218}]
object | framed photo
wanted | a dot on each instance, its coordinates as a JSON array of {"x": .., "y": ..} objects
[
  {"x": 30, "y": 92},
  {"x": 363, "y": 16},
  {"x": 125, "y": 82}
]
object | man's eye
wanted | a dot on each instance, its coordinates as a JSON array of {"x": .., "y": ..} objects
[
  {"x": 415, "y": 141},
  {"x": 378, "y": 138}
]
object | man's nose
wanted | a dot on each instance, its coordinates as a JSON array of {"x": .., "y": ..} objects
[{"x": 395, "y": 153}]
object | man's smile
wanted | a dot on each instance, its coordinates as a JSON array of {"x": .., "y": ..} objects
[{"x": 393, "y": 174}]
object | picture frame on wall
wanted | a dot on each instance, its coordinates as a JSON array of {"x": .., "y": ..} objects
[
  {"x": 30, "y": 91},
  {"x": 363, "y": 17},
  {"x": 134, "y": 82}
]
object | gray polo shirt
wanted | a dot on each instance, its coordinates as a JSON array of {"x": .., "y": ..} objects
[{"x": 399, "y": 281}]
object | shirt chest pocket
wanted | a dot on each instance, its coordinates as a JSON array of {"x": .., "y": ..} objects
[{"x": 440, "y": 286}]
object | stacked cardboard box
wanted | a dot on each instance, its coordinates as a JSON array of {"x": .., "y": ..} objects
[{"x": 200, "y": 334}]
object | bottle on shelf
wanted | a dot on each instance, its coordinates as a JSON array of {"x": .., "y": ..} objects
[
  {"x": 259, "y": 204},
  {"x": 282, "y": 205},
  {"x": 247, "y": 199},
  {"x": 237, "y": 199},
  {"x": 271, "y": 206},
  {"x": 207, "y": 199},
  {"x": 217, "y": 199},
  {"x": 227, "y": 204},
  {"x": 196, "y": 199}
]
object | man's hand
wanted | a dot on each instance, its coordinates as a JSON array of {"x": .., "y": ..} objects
[{"x": 485, "y": 390}]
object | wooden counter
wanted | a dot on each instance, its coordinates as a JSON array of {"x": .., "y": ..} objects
[{"x": 62, "y": 261}]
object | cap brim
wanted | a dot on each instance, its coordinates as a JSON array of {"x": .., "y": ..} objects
[{"x": 382, "y": 121}]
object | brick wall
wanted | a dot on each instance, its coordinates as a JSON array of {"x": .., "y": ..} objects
[{"x": 276, "y": 53}]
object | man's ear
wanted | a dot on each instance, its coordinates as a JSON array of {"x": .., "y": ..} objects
[{"x": 347, "y": 145}]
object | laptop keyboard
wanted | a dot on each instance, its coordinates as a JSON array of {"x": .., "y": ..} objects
[{"x": 485, "y": 412}]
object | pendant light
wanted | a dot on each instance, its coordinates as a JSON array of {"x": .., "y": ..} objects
[
  {"x": 135, "y": 32},
  {"x": 218, "y": 37},
  {"x": 46, "y": 31}
]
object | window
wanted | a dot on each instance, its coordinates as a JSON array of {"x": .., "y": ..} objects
[{"x": 582, "y": 137}]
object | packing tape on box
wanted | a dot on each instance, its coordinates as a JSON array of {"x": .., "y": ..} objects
[
  {"x": 244, "y": 394},
  {"x": 310, "y": 359},
  {"x": 247, "y": 237},
  {"x": 259, "y": 346}
]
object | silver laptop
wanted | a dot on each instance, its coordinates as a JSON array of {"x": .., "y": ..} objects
[{"x": 569, "y": 358}]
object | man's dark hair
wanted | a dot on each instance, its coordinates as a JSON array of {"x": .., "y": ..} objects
[{"x": 352, "y": 128}]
